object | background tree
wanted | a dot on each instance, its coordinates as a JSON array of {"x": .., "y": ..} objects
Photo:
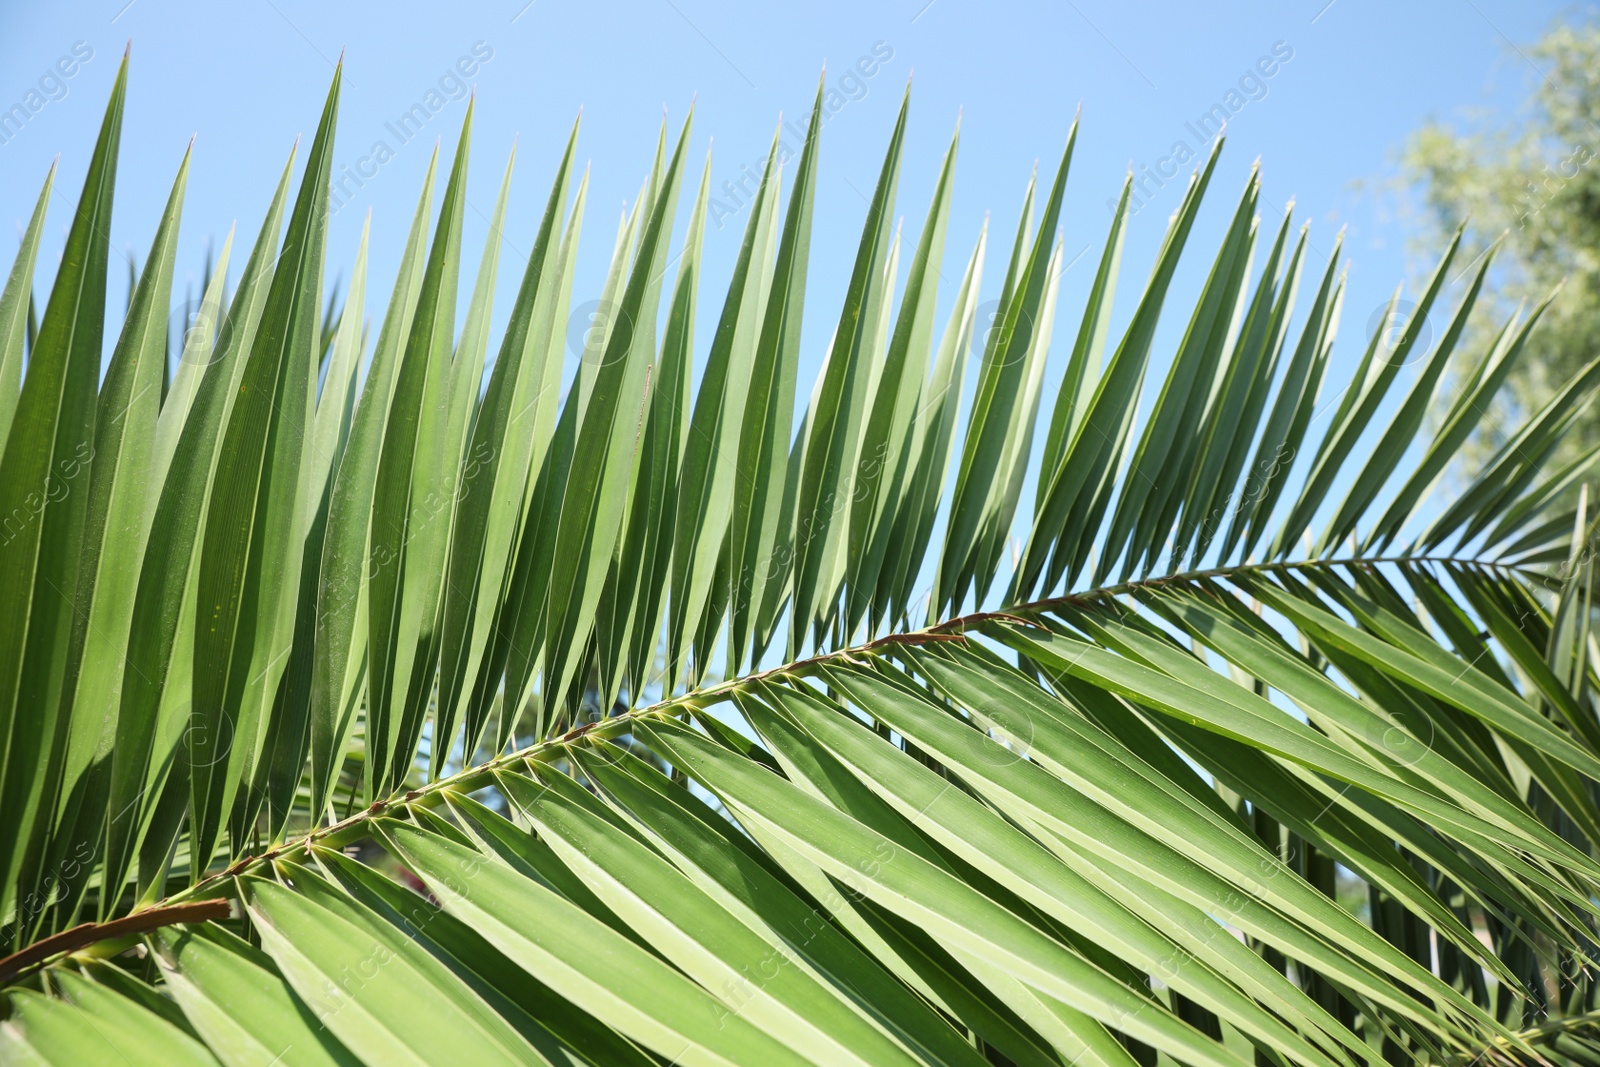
[{"x": 1535, "y": 179}]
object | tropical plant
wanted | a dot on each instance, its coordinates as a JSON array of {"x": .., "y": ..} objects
[{"x": 369, "y": 716}]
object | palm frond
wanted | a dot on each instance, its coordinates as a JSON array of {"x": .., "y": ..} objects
[{"x": 359, "y": 706}]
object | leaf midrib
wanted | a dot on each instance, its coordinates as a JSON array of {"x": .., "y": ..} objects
[{"x": 469, "y": 778}]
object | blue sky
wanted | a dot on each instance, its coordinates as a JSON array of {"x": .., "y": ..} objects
[{"x": 1349, "y": 79}]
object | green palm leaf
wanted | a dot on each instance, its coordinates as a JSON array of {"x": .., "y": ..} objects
[{"x": 379, "y": 725}]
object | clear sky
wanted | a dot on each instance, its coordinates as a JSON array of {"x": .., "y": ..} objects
[{"x": 1349, "y": 79}]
